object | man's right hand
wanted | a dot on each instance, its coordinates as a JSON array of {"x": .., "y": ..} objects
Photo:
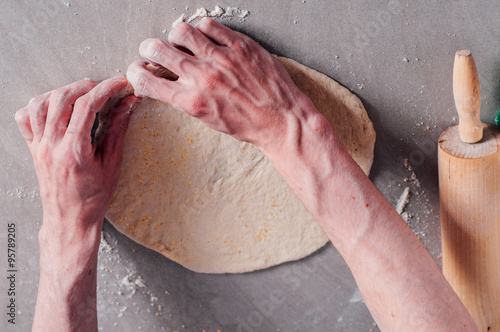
[{"x": 226, "y": 79}]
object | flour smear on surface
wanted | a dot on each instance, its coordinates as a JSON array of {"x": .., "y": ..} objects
[{"x": 217, "y": 12}]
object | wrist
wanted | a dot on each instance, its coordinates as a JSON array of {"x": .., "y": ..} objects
[
  {"x": 67, "y": 287},
  {"x": 67, "y": 250},
  {"x": 295, "y": 129},
  {"x": 312, "y": 160},
  {"x": 305, "y": 142}
]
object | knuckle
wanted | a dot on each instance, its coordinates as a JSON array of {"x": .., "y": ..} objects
[
  {"x": 178, "y": 100},
  {"x": 64, "y": 160},
  {"x": 134, "y": 68},
  {"x": 21, "y": 116},
  {"x": 211, "y": 50},
  {"x": 67, "y": 157},
  {"x": 144, "y": 43},
  {"x": 186, "y": 65},
  {"x": 60, "y": 95},
  {"x": 37, "y": 101},
  {"x": 43, "y": 151},
  {"x": 207, "y": 22},
  {"x": 89, "y": 82},
  {"x": 211, "y": 79},
  {"x": 86, "y": 84},
  {"x": 181, "y": 30},
  {"x": 82, "y": 103},
  {"x": 197, "y": 106},
  {"x": 208, "y": 48},
  {"x": 243, "y": 47},
  {"x": 38, "y": 111},
  {"x": 154, "y": 48}
]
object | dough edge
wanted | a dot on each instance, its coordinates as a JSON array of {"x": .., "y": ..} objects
[{"x": 362, "y": 153}]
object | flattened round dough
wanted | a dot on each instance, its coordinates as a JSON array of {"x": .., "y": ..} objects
[{"x": 214, "y": 204}]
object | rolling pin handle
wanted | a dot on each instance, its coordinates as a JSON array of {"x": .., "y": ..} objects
[{"x": 467, "y": 96}]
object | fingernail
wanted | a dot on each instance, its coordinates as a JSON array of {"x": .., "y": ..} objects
[
  {"x": 138, "y": 95},
  {"x": 138, "y": 82}
]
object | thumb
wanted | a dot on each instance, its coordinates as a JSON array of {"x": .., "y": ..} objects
[{"x": 119, "y": 119}]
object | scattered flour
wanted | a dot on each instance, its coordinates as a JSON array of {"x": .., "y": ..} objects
[
  {"x": 128, "y": 284},
  {"x": 104, "y": 245},
  {"x": 121, "y": 283},
  {"x": 406, "y": 216},
  {"x": 85, "y": 49},
  {"x": 122, "y": 311},
  {"x": 403, "y": 200},
  {"x": 178, "y": 21},
  {"x": 356, "y": 296},
  {"x": 131, "y": 283},
  {"x": 413, "y": 179},
  {"x": 218, "y": 12},
  {"x": 22, "y": 192}
]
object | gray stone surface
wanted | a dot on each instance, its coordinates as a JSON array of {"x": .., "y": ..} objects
[{"x": 396, "y": 55}]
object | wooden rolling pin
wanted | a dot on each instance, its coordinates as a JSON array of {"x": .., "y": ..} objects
[{"x": 469, "y": 192}]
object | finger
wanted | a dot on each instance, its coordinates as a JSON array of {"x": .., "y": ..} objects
[
  {"x": 218, "y": 32},
  {"x": 38, "y": 108},
  {"x": 187, "y": 36},
  {"x": 147, "y": 84},
  {"x": 86, "y": 107},
  {"x": 61, "y": 107},
  {"x": 112, "y": 145},
  {"x": 159, "y": 52},
  {"x": 104, "y": 113},
  {"x": 24, "y": 124}
]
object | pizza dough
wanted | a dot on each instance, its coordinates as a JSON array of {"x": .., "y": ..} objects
[{"x": 215, "y": 204}]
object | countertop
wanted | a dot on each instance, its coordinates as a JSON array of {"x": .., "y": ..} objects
[{"x": 397, "y": 56}]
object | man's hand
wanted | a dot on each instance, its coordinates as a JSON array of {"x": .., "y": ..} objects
[
  {"x": 77, "y": 180},
  {"x": 225, "y": 79}
]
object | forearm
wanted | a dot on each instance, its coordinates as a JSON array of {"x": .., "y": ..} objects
[
  {"x": 77, "y": 179},
  {"x": 246, "y": 93},
  {"x": 402, "y": 286},
  {"x": 66, "y": 298}
]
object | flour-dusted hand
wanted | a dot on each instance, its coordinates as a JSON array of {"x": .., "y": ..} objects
[
  {"x": 76, "y": 177},
  {"x": 226, "y": 79},
  {"x": 77, "y": 180}
]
